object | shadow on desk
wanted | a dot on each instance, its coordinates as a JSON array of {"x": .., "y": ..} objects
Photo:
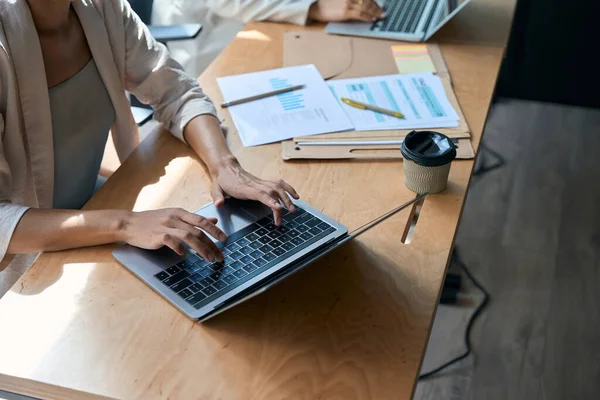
[{"x": 299, "y": 317}]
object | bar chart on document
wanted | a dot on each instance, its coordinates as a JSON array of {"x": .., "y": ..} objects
[
  {"x": 420, "y": 97},
  {"x": 308, "y": 111},
  {"x": 291, "y": 100}
]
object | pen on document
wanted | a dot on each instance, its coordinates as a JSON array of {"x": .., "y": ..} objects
[
  {"x": 364, "y": 106},
  {"x": 261, "y": 96}
]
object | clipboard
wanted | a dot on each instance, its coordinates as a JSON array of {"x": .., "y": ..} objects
[{"x": 339, "y": 57}]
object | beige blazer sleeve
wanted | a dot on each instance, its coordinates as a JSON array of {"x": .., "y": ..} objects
[
  {"x": 292, "y": 11},
  {"x": 158, "y": 80},
  {"x": 10, "y": 214}
]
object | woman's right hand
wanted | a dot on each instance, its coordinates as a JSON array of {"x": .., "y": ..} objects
[{"x": 172, "y": 227}]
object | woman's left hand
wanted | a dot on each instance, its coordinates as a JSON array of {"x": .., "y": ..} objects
[{"x": 232, "y": 180}]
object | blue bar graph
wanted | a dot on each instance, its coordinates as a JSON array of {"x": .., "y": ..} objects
[{"x": 289, "y": 101}]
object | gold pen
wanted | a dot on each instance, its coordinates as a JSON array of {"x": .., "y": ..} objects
[{"x": 363, "y": 106}]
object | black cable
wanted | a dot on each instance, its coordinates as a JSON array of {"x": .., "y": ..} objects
[{"x": 474, "y": 316}]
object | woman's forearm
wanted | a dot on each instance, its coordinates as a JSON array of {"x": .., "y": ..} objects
[
  {"x": 52, "y": 230},
  {"x": 204, "y": 135}
]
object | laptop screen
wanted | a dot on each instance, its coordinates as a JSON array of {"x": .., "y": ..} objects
[{"x": 442, "y": 12}]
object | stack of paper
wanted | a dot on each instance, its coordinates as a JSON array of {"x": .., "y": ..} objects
[
  {"x": 309, "y": 111},
  {"x": 420, "y": 97},
  {"x": 317, "y": 108}
]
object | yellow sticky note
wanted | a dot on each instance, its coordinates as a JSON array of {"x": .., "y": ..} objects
[{"x": 412, "y": 58}]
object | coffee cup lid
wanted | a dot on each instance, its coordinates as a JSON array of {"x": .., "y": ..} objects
[{"x": 428, "y": 148}]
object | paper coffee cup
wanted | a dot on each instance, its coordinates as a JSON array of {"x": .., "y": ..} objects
[{"x": 427, "y": 158}]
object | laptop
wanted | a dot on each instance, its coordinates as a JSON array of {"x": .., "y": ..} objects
[
  {"x": 257, "y": 253},
  {"x": 409, "y": 20}
]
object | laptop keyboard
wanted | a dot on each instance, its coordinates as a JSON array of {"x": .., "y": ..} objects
[
  {"x": 248, "y": 253},
  {"x": 402, "y": 16}
]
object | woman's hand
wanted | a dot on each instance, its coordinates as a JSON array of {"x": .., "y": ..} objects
[
  {"x": 172, "y": 227},
  {"x": 344, "y": 10},
  {"x": 231, "y": 180}
]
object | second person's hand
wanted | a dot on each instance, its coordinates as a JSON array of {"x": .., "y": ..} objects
[{"x": 345, "y": 10}]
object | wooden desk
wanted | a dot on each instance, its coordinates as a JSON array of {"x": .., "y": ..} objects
[{"x": 352, "y": 325}]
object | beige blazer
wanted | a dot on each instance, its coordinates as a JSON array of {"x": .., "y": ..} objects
[{"x": 128, "y": 59}]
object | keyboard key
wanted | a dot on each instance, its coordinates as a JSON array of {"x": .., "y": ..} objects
[
  {"x": 260, "y": 262},
  {"x": 289, "y": 218},
  {"x": 284, "y": 212},
  {"x": 306, "y": 236},
  {"x": 217, "y": 266},
  {"x": 285, "y": 238},
  {"x": 266, "y": 248},
  {"x": 186, "y": 264},
  {"x": 193, "y": 258},
  {"x": 269, "y": 257},
  {"x": 243, "y": 242},
  {"x": 228, "y": 260},
  {"x": 323, "y": 225},
  {"x": 279, "y": 251},
  {"x": 303, "y": 218},
  {"x": 293, "y": 233},
  {"x": 261, "y": 232},
  {"x": 206, "y": 282},
  {"x": 227, "y": 270},
  {"x": 297, "y": 241},
  {"x": 215, "y": 276},
  {"x": 173, "y": 270},
  {"x": 315, "y": 231},
  {"x": 182, "y": 284},
  {"x": 209, "y": 290},
  {"x": 292, "y": 225},
  {"x": 246, "y": 250},
  {"x": 283, "y": 229},
  {"x": 252, "y": 237},
  {"x": 240, "y": 273},
  {"x": 237, "y": 265},
  {"x": 250, "y": 268},
  {"x": 192, "y": 268},
  {"x": 300, "y": 211},
  {"x": 275, "y": 243},
  {"x": 256, "y": 254},
  {"x": 198, "y": 297},
  {"x": 204, "y": 272},
  {"x": 220, "y": 284},
  {"x": 185, "y": 293},
  {"x": 173, "y": 279},
  {"x": 233, "y": 247},
  {"x": 274, "y": 234},
  {"x": 313, "y": 222},
  {"x": 196, "y": 277},
  {"x": 271, "y": 227},
  {"x": 195, "y": 288},
  {"x": 264, "y": 239},
  {"x": 201, "y": 263},
  {"x": 230, "y": 279},
  {"x": 226, "y": 251},
  {"x": 302, "y": 228},
  {"x": 264, "y": 221},
  {"x": 246, "y": 259},
  {"x": 255, "y": 245},
  {"x": 288, "y": 246},
  {"x": 236, "y": 255},
  {"x": 161, "y": 276}
]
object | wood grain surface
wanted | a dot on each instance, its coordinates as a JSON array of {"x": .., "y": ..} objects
[{"x": 351, "y": 326}]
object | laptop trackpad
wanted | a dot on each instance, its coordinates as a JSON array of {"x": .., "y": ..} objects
[{"x": 235, "y": 214}]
